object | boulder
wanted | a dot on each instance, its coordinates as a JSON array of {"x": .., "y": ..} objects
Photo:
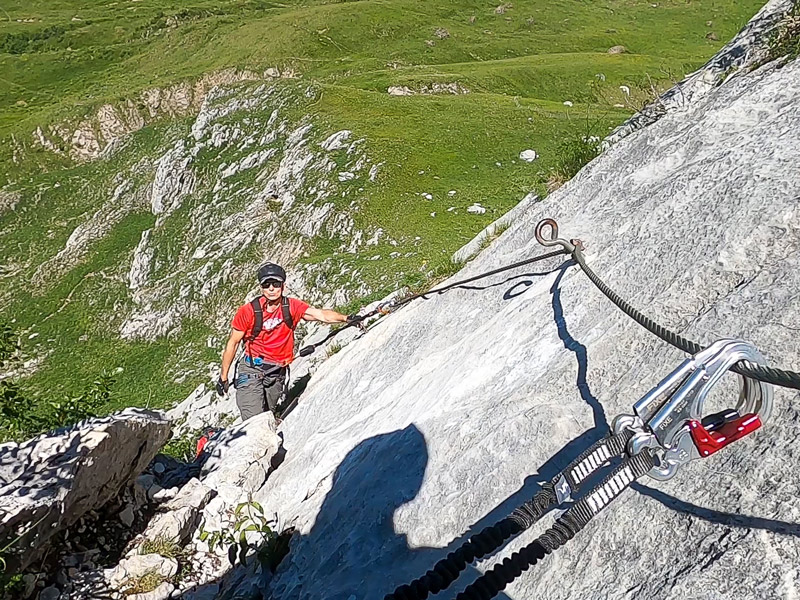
[
  {"x": 49, "y": 482},
  {"x": 441, "y": 420},
  {"x": 181, "y": 514},
  {"x": 130, "y": 569},
  {"x": 241, "y": 455}
]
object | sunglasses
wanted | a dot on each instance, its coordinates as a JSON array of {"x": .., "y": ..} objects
[{"x": 268, "y": 283}]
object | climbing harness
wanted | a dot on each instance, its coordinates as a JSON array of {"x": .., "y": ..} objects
[
  {"x": 575, "y": 249},
  {"x": 666, "y": 431},
  {"x": 387, "y": 307}
]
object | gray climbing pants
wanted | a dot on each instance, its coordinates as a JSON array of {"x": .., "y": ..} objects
[{"x": 258, "y": 388}]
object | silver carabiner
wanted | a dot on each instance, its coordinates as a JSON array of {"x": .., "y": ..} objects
[{"x": 669, "y": 418}]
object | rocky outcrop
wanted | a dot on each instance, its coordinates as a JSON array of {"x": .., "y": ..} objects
[
  {"x": 271, "y": 179},
  {"x": 95, "y": 135},
  {"x": 449, "y": 412},
  {"x": 51, "y": 481},
  {"x": 434, "y": 88}
]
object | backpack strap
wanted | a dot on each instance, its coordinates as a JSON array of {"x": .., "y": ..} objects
[
  {"x": 287, "y": 313},
  {"x": 258, "y": 318}
]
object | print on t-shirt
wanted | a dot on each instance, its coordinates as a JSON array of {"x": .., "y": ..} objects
[{"x": 270, "y": 324}]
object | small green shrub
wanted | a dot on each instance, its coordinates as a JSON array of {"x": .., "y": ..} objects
[
  {"x": 58, "y": 413},
  {"x": 248, "y": 516},
  {"x": 22, "y": 417},
  {"x": 182, "y": 448},
  {"x": 572, "y": 155}
]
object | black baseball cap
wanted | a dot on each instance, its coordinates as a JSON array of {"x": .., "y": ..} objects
[{"x": 269, "y": 271}]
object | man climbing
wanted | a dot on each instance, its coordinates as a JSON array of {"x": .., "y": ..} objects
[{"x": 267, "y": 327}]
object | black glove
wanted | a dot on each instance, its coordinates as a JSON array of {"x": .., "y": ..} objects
[
  {"x": 354, "y": 319},
  {"x": 222, "y": 387}
]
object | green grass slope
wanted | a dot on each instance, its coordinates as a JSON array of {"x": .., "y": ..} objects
[{"x": 521, "y": 61}]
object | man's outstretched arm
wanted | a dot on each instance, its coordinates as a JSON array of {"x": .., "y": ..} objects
[{"x": 325, "y": 315}]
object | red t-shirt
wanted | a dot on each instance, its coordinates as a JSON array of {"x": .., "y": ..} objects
[{"x": 275, "y": 342}]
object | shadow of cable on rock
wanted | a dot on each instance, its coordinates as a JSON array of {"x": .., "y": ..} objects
[{"x": 578, "y": 349}]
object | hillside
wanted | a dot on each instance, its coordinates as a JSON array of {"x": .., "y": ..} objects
[{"x": 135, "y": 204}]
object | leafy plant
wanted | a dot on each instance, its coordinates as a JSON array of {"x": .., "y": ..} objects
[
  {"x": 76, "y": 408},
  {"x": 182, "y": 448},
  {"x": 22, "y": 417},
  {"x": 248, "y": 517}
]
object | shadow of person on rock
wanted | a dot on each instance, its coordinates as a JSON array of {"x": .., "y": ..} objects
[{"x": 353, "y": 551}]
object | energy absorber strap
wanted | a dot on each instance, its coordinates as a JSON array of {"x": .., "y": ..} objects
[{"x": 553, "y": 493}]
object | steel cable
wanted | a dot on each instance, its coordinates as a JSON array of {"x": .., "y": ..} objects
[
  {"x": 307, "y": 350},
  {"x": 779, "y": 377}
]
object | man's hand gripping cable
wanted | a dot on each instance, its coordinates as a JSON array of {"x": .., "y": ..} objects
[{"x": 666, "y": 431}]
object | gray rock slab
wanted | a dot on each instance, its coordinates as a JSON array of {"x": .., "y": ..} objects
[
  {"x": 194, "y": 494},
  {"x": 445, "y": 416},
  {"x": 180, "y": 516},
  {"x": 241, "y": 455},
  {"x": 49, "y": 482}
]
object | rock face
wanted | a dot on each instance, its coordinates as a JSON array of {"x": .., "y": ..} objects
[
  {"x": 49, "y": 482},
  {"x": 446, "y": 416}
]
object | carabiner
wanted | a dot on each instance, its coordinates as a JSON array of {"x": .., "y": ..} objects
[{"x": 669, "y": 418}]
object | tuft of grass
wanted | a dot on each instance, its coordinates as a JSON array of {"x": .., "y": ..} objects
[
  {"x": 166, "y": 547},
  {"x": 785, "y": 40},
  {"x": 571, "y": 156},
  {"x": 332, "y": 348},
  {"x": 146, "y": 583}
]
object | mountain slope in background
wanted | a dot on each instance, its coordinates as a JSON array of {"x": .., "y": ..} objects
[{"x": 156, "y": 153}]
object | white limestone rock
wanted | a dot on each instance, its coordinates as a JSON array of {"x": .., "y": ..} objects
[
  {"x": 241, "y": 455},
  {"x": 49, "y": 482},
  {"x": 130, "y": 569},
  {"x": 337, "y": 141}
]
